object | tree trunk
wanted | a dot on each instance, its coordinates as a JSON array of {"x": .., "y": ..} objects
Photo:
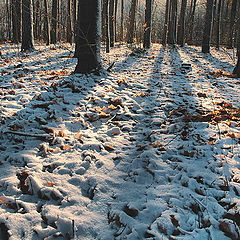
[
  {"x": 103, "y": 21},
  {"x": 181, "y": 24},
  {"x": 122, "y": 20},
  {"x": 115, "y": 19},
  {"x": 46, "y": 23},
  {"x": 74, "y": 17},
  {"x": 172, "y": 25},
  {"x": 27, "y": 25},
  {"x": 218, "y": 24},
  {"x": 131, "y": 20},
  {"x": 88, "y": 42},
  {"x": 147, "y": 24},
  {"x": 111, "y": 22},
  {"x": 191, "y": 22},
  {"x": 165, "y": 23},
  {"x": 232, "y": 24},
  {"x": 54, "y": 21},
  {"x": 69, "y": 22},
  {"x": 16, "y": 21},
  {"x": 107, "y": 40},
  {"x": 207, "y": 27}
]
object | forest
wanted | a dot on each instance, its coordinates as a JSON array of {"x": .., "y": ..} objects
[{"x": 120, "y": 119}]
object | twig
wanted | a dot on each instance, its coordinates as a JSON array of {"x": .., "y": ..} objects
[{"x": 40, "y": 136}]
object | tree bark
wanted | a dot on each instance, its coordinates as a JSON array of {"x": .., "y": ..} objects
[
  {"x": 122, "y": 20},
  {"x": 181, "y": 24},
  {"x": 16, "y": 21},
  {"x": 55, "y": 6},
  {"x": 236, "y": 70},
  {"x": 27, "y": 25},
  {"x": 74, "y": 17},
  {"x": 69, "y": 22},
  {"x": 107, "y": 40},
  {"x": 232, "y": 24},
  {"x": 46, "y": 23},
  {"x": 207, "y": 27},
  {"x": 218, "y": 24},
  {"x": 166, "y": 22},
  {"x": 172, "y": 25},
  {"x": 87, "y": 48},
  {"x": 111, "y": 22},
  {"x": 147, "y": 24},
  {"x": 115, "y": 19},
  {"x": 131, "y": 20}
]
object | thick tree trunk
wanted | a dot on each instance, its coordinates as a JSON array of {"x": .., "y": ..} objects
[
  {"x": 218, "y": 24},
  {"x": 147, "y": 24},
  {"x": 232, "y": 24},
  {"x": 69, "y": 22},
  {"x": 46, "y": 23},
  {"x": 122, "y": 20},
  {"x": 111, "y": 22},
  {"x": 107, "y": 40},
  {"x": 181, "y": 24},
  {"x": 16, "y": 21},
  {"x": 172, "y": 25},
  {"x": 207, "y": 27},
  {"x": 27, "y": 25},
  {"x": 131, "y": 20},
  {"x": 166, "y": 22},
  {"x": 54, "y": 21},
  {"x": 87, "y": 48}
]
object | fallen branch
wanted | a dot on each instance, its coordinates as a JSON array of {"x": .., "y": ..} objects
[{"x": 39, "y": 136}]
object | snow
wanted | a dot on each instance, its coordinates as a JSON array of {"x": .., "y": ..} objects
[{"x": 148, "y": 151}]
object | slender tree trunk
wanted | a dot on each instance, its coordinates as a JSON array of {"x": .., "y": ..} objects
[
  {"x": 181, "y": 24},
  {"x": 27, "y": 25},
  {"x": 147, "y": 24},
  {"x": 218, "y": 24},
  {"x": 232, "y": 24},
  {"x": 165, "y": 23},
  {"x": 122, "y": 20},
  {"x": 191, "y": 22},
  {"x": 46, "y": 23},
  {"x": 131, "y": 20},
  {"x": 69, "y": 22},
  {"x": 16, "y": 21},
  {"x": 103, "y": 22},
  {"x": 111, "y": 22},
  {"x": 54, "y": 21},
  {"x": 107, "y": 40},
  {"x": 74, "y": 17},
  {"x": 207, "y": 27},
  {"x": 172, "y": 29},
  {"x": 115, "y": 19},
  {"x": 88, "y": 39}
]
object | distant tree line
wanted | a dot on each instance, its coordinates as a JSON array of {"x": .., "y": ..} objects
[{"x": 173, "y": 22}]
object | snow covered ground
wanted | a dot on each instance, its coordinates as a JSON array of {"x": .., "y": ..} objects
[{"x": 148, "y": 151}]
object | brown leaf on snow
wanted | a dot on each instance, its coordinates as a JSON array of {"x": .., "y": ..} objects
[
  {"x": 61, "y": 133},
  {"x": 109, "y": 148}
]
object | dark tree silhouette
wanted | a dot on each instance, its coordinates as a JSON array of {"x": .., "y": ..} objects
[
  {"x": 172, "y": 24},
  {"x": 218, "y": 23},
  {"x": 46, "y": 23},
  {"x": 166, "y": 22},
  {"x": 87, "y": 48},
  {"x": 122, "y": 20},
  {"x": 131, "y": 22},
  {"x": 111, "y": 22},
  {"x": 55, "y": 8},
  {"x": 107, "y": 40},
  {"x": 232, "y": 24},
  {"x": 147, "y": 24},
  {"x": 16, "y": 21},
  {"x": 181, "y": 24},
  {"x": 207, "y": 27},
  {"x": 27, "y": 25},
  {"x": 190, "y": 22},
  {"x": 69, "y": 22}
]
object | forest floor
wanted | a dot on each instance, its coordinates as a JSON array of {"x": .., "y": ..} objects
[{"x": 148, "y": 151}]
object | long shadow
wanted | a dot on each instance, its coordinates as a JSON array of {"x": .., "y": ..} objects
[{"x": 161, "y": 146}]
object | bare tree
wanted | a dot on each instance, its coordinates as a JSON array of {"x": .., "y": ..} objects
[
  {"x": 172, "y": 23},
  {"x": 207, "y": 27},
  {"x": 147, "y": 24},
  {"x": 46, "y": 23},
  {"x": 87, "y": 48},
  {"x": 107, "y": 40},
  {"x": 69, "y": 22},
  {"x": 16, "y": 21},
  {"x": 27, "y": 25},
  {"x": 232, "y": 24},
  {"x": 55, "y": 9},
  {"x": 166, "y": 22},
  {"x": 122, "y": 20},
  {"x": 181, "y": 24},
  {"x": 111, "y": 22},
  {"x": 190, "y": 22},
  {"x": 132, "y": 16},
  {"x": 218, "y": 23}
]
